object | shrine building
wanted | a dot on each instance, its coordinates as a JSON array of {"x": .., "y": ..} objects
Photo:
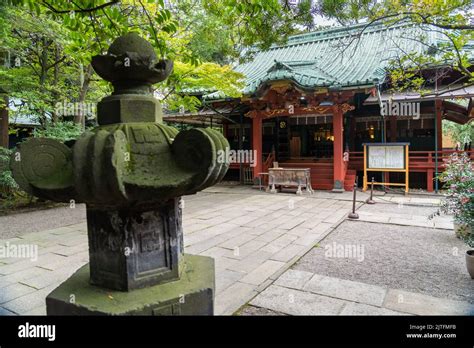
[{"x": 314, "y": 101}]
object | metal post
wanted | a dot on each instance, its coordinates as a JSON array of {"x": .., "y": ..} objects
[
  {"x": 436, "y": 146},
  {"x": 241, "y": 134},
  {"x": 353, "y": 214},
  {"x": 370, "y": 200}
]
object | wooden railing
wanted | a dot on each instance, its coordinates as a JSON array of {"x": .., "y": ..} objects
[{"x": 420, "y": 161}]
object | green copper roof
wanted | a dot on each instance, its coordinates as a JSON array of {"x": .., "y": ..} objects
[{"x": 325, "y": 58}]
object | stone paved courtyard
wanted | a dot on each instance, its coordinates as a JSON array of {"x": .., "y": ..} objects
[
  {"x": 399, "y": 263},
  {"x": 255, "y": 237}
]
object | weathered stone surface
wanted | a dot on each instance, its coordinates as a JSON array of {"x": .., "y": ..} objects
[
  {"x": 131, "y": 172},
  {"x": 13, "y": 291},
  {"x": 354, "y": 308},
  {"x": 133, "y": 108},
  {"x": 131, "y": 65},
  {"x": 148, "y": 253},
  {"x": 296, "y": 302},
  {"x": 294, "y": 279},
  {"x": 232, "y": 298},
  {"x": 346, "y": 290},
  {"x": 262, "y": 272},
  {"x": 29, "y": 302},
  {"x": 132, "y": 160},
  {"x": 192, "y": 294},
  {"x": 43, "y": 166},
  {"x": 419, "y": 304}
]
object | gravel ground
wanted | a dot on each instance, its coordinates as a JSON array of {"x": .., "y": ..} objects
[
  {"x": 33, "y": 221},
  {"x": 415, "y": 259}
]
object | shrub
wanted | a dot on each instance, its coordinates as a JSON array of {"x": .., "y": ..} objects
[
  {"x": 61, "y": 131},
  {"x": 459, "y": 181},
  {"x": 7, "y": 184}
]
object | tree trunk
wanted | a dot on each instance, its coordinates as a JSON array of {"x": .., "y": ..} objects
[
  {"x": 43, "y": 76},
  {"x": 81, "y": 119},
  {"x": 57, "y": 57},
  {"x": 4, "y": 122}
]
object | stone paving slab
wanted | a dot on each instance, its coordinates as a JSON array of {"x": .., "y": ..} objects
[
  {"x": 420, "y": 304},
  {"x": 31, "y": 302},
  {"x": 293, "y": 291},
  {"x": 234, "y": 297},
  {"x": 346, "y": 290},
  {"x": 406, "y": 215},
  {"x": 297, "y": 302},
  {"x": 23, "y": 275},
  {"x": 289, "y": 252},
  {"x": 253, "y": 236},
  {"x": 14, "y": 291},
  {"x": 354, "y": 308},
  {"x": 262, "y": 272},
  {"x": 294, "y": 279}
]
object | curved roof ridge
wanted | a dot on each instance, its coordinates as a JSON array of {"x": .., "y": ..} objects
[{"x": 336, "y": 32}]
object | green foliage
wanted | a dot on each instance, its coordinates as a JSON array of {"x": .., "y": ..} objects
[
  {"x": 187, "y": 79},
  {"x": 56, "y": 41},
  {"x": 61, "y": 131},
  {"x": 253, "y": 23},
  {"x": 222, "y": 29},
  {"x": 459, "y": 180},
  {"x": 460, "y": 133},
  {"x": 449, "y": 19},
  {"x": 347, "y": 11},
  {"x": 7, "y": 184}
]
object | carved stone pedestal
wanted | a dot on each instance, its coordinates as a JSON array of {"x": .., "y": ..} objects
[
  {"x": 192, "y": 294},
  {"x": 130, "y": 171},
  {"x": 132, "y": 249}
]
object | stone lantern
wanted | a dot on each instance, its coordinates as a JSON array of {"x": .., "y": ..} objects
[{"x": 131, "y": 172}]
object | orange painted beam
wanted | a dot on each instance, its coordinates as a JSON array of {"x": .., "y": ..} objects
[{"x": 293, "y": 111}]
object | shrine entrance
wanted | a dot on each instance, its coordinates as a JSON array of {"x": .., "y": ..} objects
[
  {"x": 311, "y": 137},
  {"x": 315, "y": 142}
]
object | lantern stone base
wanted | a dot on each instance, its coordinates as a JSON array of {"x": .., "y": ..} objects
[{"x": 191, "y": 294}]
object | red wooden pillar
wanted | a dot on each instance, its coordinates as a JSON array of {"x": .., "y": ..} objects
[
  {"x": 429, "y": 174},
  {"x": 338, "y": 161},
  {"x": 257, "y": 144},
  {"x": 439, "y": 122}
]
